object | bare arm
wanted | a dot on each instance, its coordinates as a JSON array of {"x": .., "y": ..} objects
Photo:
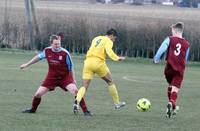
[
  {"x": 34, "y": 60},
  {"x": 113, "y": 56}
]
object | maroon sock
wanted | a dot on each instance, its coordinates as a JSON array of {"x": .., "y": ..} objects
[
  {"x": 83, "y": 105},
  {"x": 173, "y": 99},
  {"x": 35, "y": 103},
  {"x": 169, "y": 89}
]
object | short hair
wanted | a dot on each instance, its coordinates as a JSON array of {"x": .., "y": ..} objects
[
  {"x": 53, "y": 37},
  {"x": 61, "y": 34},
  {"x": 179, "y": 26},
  {"x": 112, "y": 32}
]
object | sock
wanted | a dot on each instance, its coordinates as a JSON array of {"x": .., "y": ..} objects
[
  {"x": 80, "y": 94},
  {"x": 113, "y": 92},
  {"x": 169, "y": 89},
  {"x": 83, "y": 105},
  {"x": 173, "y": 98},
  {"x": 35, "y": 103}
]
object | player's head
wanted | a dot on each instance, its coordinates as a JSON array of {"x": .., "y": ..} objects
[
  {"x": 177, "y": 28},
  {"x": 55, "y": 42},
  {"x": 112, "y": 34}
]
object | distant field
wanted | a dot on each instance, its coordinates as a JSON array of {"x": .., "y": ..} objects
[
  {"x": 135, "y": 78},
  {"x": 115, "y": 12}
]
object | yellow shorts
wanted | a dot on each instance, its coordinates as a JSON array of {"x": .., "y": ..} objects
[{"x": 94, "y": 66}]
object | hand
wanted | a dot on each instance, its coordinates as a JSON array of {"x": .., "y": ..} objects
[
  {"x": 122, "y": 58},
  {"x": 156, "y": 61},
  {"x": 23, "y": 66}
]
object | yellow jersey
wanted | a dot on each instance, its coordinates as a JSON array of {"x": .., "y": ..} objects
[{"x": 102, "y": 45}]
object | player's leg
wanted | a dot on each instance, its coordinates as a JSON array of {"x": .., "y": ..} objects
[
  {"x": 37, "y": 99},
  {"x": 79, "y": 98},
  {"x": 105, "y": 74},
  {"x": 82, "y": 90},
  {"x": 169, "y": 89},
  {"x": 113, "y": 91},
  {"x": 72, "y": 88},
  {"x": 171, "y": 107},
  {"x": 174, "y": 78},
  {"x": 169, "y": 76},
  {"x": 173, "y": 97},
  {"x": 87, "y": 75},
  {"x": 176, "y": 85}
]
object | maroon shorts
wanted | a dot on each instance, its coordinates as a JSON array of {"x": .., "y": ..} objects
[
  {"x": 174, "y": 78},
  {"x": 52, "y": 82}
]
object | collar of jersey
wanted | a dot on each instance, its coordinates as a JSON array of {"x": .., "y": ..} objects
[{"x": 56, "y": 50}]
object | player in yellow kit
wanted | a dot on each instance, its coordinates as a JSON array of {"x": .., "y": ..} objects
[{"x": 95, "y": 64}]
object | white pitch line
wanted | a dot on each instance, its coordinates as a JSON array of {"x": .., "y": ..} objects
[
  {"x": 142, "y": 80},
  {"x": 129, "y": 79}
]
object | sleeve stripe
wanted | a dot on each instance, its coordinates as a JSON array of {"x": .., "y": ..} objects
[
  {"x": 68, "y": 60},
  {"x": 164, "y": 46},
  {"x": 41, "y": 55},
  {"x": 187, "y": 54}
]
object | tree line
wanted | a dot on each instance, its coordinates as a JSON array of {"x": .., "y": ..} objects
[{"x": 139, "y": 39}]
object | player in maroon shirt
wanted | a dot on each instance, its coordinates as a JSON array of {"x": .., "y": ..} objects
[
  {"x": 177, "y": 54},
  {"x": 60, "y": 73}
]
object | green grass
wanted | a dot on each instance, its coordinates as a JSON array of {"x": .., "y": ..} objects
[{"x": 142, "y": 79}]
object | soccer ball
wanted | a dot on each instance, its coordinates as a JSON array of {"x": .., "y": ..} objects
[{"x": 143, "y": 104}]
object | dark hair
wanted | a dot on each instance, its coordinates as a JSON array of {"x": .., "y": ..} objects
[
  {"x": 179, "y": 26},
  {"x": 53, "y": 37},
  {"x": 61, "y": 34},
  {"x": 112, "y": 32}
]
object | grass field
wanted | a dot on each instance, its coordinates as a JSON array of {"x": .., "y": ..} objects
[{"x": 135, "y": 78}]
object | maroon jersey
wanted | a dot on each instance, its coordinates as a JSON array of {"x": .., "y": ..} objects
[
  {"x": 60, "y": 63},
  {"x": 176, "y": 55}
]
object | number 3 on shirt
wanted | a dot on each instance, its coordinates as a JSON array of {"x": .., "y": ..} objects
[
  {"x": 98, "y": 42},
  {"x": 178, "y": 49}
]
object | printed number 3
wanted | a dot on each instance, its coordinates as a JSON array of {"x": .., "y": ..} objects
[
  {"x": 178, "y": 49},
  {"x": 98, "y": 42}
]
